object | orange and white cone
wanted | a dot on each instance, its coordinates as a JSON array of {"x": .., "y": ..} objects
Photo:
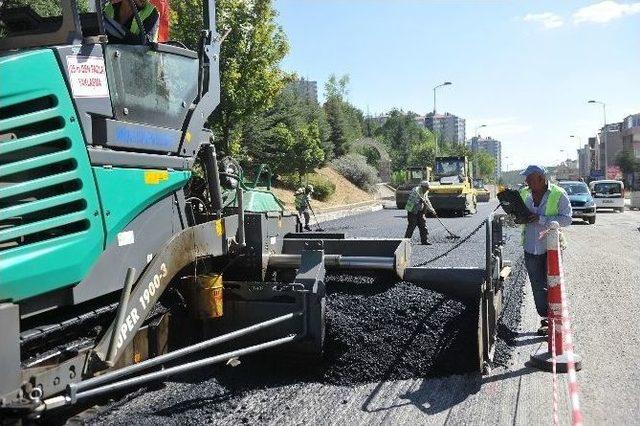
[{"x": 558, "y": 314}]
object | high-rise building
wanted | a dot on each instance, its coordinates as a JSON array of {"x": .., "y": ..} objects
[
  {"x": 613, "y": 143},
  {"x": 491, "y": 146},
  {"x": 448, "y": 127},
  {"x": 306, "y": 89},
  {"x": 584, "y": 161},
  {"x": 420, "y": 120},
  {"x": 631, "y": 134},
  {"x": 594, "y": 159}
]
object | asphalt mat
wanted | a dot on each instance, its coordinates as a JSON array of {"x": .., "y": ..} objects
[{"x": 378, "y": 330}]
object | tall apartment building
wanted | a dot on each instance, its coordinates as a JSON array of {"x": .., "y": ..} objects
[
  {"x": 449, "y": 128},
  {"x": 306, "y": 89},
  {"x": 491, "y": 146},
  {"x": 631, "y": 134},
  {"x": 584, "y": 161},
  {"x": 613, "y": 144}
]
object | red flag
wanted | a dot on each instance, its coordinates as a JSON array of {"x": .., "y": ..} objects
[{"x": 165, "y": 16}]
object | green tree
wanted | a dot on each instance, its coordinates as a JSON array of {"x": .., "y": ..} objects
[
  {"x": 485, "y": 165},
  {"x": 307, "y": 152},
  {"x": 371, "y": 154},
  {"x": 186, "y": 22},
  {"x": 287, "y": 137},
  {"x": 250, "y": 77},
  {"x": 627, "y": 162},
  {"x": 346, "y": 122},
  {"x": 421, "y": 153},
  {"x": 337, "y": 87},
  {"x": 408, "y": 142}
]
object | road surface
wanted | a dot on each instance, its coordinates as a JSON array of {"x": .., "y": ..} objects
[{"x": 602, "y": 270}]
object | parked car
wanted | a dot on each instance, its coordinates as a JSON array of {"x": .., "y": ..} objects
[
  {"x": 582, "y": 202},
  {"x": 608, "y": 194}
]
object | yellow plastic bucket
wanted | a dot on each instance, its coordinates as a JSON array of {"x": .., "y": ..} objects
[{"x": 205, "y": 296}]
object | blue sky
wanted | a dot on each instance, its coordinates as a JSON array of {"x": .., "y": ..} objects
[{"x": 523, "y": 68}]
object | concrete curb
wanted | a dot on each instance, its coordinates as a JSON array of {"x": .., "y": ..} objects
[{"x": 356, "y": 209}]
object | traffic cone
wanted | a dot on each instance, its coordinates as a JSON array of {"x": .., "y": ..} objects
[{"x": 558, "y": 314}]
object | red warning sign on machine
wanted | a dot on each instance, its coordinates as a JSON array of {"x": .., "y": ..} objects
[{"x": 87, "y": 76}]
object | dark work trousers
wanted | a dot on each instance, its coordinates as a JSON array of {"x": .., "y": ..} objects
[
  {"x": 536, "y": 265},
  {"x": 307, "y": 217},
  {"x": 417, "y": 219}
]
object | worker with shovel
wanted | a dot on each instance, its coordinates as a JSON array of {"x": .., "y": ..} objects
[
  {"x": 417, "y": 205},
  {"x": 303, "y": 204}
]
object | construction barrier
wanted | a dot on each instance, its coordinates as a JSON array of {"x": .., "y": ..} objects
[{"x": 559, "y": 355}]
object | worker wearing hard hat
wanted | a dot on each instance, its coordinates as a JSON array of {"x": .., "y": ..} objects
[
  {"x": 303, "y": 204},
  {"x": 417, "y": 205},
  {"x": 546, "y": 203}
]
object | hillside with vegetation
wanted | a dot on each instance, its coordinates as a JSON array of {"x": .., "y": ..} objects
[{"x": 262, "y": 119}]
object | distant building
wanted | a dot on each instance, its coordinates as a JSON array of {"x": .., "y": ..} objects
[
  {"x": 378, "y": 120},
  {"x": 584, "y": 161},
  {"x": 306, "y": 89},
  {"x": 594, "y": 158},
  {"x": 631, "y": 142},
  {"x": 491, "y": 146},
  {"x": 631, "y": 134},
  {"x": 613, "y": 144},
  {"x": 567, "y": 170},
  {"x": 449, "y": 128}
]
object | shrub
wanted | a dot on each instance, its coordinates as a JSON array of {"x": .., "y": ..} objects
[
  {"x": 398, "y": 178},
  {"x": 354, "y": 167},
  {"x": 290, "y": 181},
  {"x": 323, "y": 188}
]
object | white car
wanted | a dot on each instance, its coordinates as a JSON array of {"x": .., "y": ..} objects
[{"x": 608, "y": 194}]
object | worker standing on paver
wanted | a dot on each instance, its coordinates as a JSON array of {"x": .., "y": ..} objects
[
  {"x": 417, "y": 206},
  {"x": 546, "y": 203},
  {"x": 123, "y": 13},
  {"x": 303, "y": 204}
]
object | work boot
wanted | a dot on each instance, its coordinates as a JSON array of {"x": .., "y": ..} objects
[
  {"x": 308, "y": 228},
  {"x": 426, "y": 243},
  {"x": 543, "y": 330}
]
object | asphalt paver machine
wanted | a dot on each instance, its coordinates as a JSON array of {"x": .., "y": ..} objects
[{"x": 126, "y": 245}]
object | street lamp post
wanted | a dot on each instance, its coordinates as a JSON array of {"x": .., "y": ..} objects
[
  {"x": 604, "y": 133},
  {"x": 479, "y": 127},
  {"x": 446, "y": 83}
]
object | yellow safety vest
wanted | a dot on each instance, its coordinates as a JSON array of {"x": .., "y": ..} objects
[
  {"x": 144, "y": 13},
  {"x": 414, "y": 201},
  {"x": 551, "y": 209}
]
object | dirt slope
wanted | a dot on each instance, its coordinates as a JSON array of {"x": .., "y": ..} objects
[{"x": 346, "y": 192}]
